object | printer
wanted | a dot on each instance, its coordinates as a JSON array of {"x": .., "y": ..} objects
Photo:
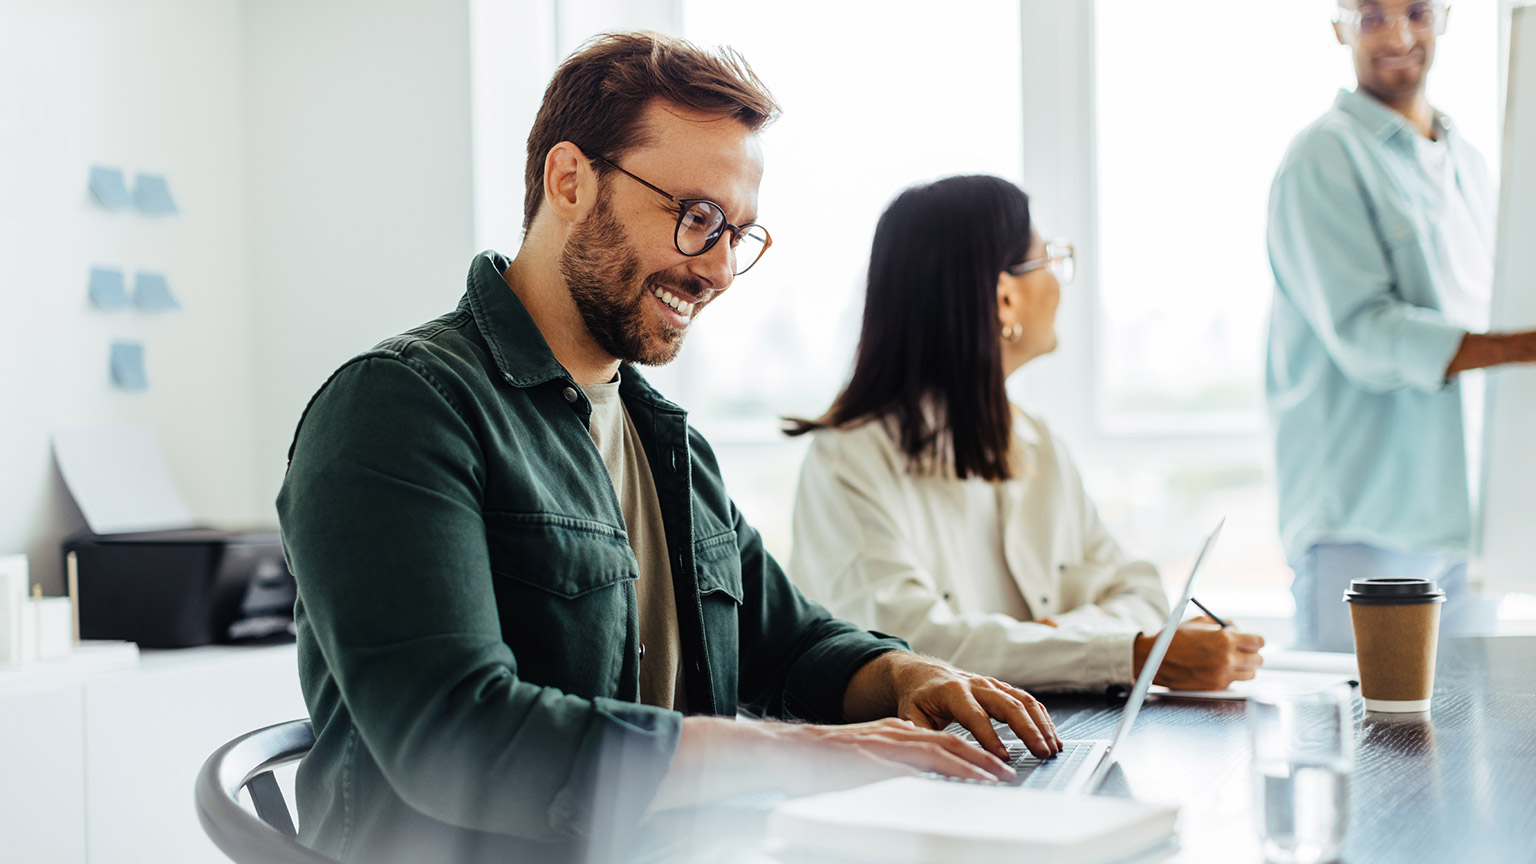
[
  {"x": 175, "y": 589},
  {"x": 146, "y": 570}
]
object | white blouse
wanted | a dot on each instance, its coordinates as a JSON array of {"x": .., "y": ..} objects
[{"x": 962, "y": 569}]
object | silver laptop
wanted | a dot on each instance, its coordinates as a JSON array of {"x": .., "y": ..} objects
[{"x": 1082, "y": 763}]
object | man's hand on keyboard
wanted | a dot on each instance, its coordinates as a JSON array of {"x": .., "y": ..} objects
[
  {"x": 898, "y": 747},
  {"x": 931, "y": 694}
]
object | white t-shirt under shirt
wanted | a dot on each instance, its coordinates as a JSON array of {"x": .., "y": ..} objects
[
  {"x": 661, "y": 681},
  {"x": 1467, "y": 300},
  {"x": 983, "y": 552}
]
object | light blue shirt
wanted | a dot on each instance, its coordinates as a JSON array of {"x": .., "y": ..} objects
[{"x": 1369, "y": 444}]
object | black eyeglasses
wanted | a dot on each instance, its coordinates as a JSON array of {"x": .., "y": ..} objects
[
  {"x": 1060, "y": 258},
  {"x": 701, "y": 223}
]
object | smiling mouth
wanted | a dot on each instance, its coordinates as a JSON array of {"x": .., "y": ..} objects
[
  {"x": 678, "y": 304},
  {"x": 1406, "y": 61}
]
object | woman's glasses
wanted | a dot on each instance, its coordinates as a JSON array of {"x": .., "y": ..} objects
[{"x": 1059, "y": 258}]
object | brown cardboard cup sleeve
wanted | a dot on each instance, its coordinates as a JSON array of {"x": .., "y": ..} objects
[{"x": 1397, "y": 631}]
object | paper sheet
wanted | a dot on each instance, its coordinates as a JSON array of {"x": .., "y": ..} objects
[
  {"x": 152, "y": 293},
  {"x": 119, "y": 479},
  {"x": 1291, "y": 670},
  {"x": 1311, "y": 661},
  {"x": 106, "y": 288},
  {"x": 109, "y": 187},
  {"x": 153, "y": 195},
  {"x": 127, "y": 361}
]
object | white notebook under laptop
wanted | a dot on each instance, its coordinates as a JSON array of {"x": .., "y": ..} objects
[{"x": 1082, "y": 763}]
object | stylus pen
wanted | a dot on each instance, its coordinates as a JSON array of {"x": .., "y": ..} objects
[{"x": 1209, "y": 613}]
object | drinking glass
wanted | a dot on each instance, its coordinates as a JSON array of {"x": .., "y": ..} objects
[{"x": 1303, "y": 753}]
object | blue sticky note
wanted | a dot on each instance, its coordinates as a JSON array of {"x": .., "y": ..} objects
[
  {"x": 153, "y": 194},
  {"x": 152, "y": 293},
  {"x": 109, "y": 187},
  {"x": 128, "y": 366},
  {"x": 107, "y": 289}
]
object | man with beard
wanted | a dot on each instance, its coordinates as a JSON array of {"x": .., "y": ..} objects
[
  {"x": 528, "y": 612},
  {"x": 1381, "y": 238}
]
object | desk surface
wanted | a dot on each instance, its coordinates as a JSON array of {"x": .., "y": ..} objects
[{"x": 1457, "y": 785}]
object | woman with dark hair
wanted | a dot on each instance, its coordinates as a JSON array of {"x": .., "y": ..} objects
[{"x": 931, "y": 508}]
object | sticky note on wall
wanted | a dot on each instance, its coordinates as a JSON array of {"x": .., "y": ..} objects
[
  {"x": 106, "y": 289},
  {"x": 128, "y": 366},
  {"x": 109, "y": 187},
  {"x": 153, "y": 195},
  {"x": 152, "y": 293}
]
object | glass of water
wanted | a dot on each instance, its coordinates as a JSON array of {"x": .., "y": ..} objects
[{"x": 1303, "y": 752}]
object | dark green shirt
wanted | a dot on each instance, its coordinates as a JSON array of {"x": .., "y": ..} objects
[{"x": 468, "y": 636}]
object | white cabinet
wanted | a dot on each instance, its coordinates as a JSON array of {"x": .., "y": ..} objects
[
  {"x": 100, "y": 771},
  {"x": 42, "y": 777}
]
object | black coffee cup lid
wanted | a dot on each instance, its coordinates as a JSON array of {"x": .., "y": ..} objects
[{"x": 1393, "y": 592}]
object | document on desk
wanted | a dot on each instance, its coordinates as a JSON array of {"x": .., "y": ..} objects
[
  {"x": 1291, "y": 670},
  {"x": 912, "y": 820}
]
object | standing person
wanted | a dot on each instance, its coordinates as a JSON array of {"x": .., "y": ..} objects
[
  {"x": 528, "y": 611},
  {"x": 1381, "y": 238},
  {"x": 931, "y": 508}
]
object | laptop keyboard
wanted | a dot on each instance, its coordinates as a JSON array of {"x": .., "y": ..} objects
[
  {"x": 1053, "y": 773},
  {"x": 1034, "y": 772}
]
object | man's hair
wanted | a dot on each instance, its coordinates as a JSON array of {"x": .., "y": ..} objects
[
  {"x": 929, "y": 360},
  {"x": 598, "y": 93}
]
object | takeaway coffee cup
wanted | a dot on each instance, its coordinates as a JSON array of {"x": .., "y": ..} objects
[{"x": 1397, "y": 627}]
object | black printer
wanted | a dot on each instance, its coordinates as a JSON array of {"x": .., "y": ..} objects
[{"x": 175, "y": 589}]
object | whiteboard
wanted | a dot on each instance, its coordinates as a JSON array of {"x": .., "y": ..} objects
[{"x": 1509, "y": 472}]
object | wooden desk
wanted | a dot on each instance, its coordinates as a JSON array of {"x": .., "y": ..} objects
[{"x": 1459, "y": 785}]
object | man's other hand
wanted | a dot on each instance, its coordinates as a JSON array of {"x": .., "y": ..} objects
[{"x": 1203, "y": 656}]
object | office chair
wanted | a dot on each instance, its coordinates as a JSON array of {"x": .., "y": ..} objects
[{"x": 247, "y": 762}]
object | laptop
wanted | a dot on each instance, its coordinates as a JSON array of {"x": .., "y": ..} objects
[{"x": 1082, "y": 763}]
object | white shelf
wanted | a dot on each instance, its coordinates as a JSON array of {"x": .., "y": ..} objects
[{"x": 88, "y": 659}]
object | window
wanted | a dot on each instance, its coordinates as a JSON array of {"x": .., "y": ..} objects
[
  {"x": 876, "y": 97},
  {"x": 1193, "y": 111}
]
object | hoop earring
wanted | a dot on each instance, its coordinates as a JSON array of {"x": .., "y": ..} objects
[{"x": 1013, "y": 332}]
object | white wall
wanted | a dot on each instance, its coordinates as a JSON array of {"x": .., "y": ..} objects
[
  {"x": 337, "y": 164},
  {"x": 357, "y": 114},
  {"x": 321, "y": 156},
  {"x": 151, "y": 85},
  {"x": 515, "y": 46}
]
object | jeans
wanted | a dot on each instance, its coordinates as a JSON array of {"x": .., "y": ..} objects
[{"x": 1323, "y": 574}]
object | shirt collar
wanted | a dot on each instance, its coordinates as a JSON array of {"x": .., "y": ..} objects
[
  {"x": 521, "y": 353},
  {"x": 518, "y": 347},
  {"x": 1384, "y": 122}
]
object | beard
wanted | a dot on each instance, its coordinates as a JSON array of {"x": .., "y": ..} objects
[{"x": 600, "y": 270}]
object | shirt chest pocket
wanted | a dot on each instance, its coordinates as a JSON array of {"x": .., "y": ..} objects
[
  {"x": 717, "y": 563},
  {"x": 566, "y": 600},
  {"x": 1407, "y": 258}
]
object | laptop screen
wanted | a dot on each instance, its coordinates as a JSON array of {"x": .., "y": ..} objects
[{"x": 1160, "y": 647}]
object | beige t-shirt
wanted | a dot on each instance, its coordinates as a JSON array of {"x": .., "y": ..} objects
[{"x": 661, "y": 681}]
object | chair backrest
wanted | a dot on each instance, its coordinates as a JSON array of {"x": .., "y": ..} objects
[{"x": 247, "y": 762}]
